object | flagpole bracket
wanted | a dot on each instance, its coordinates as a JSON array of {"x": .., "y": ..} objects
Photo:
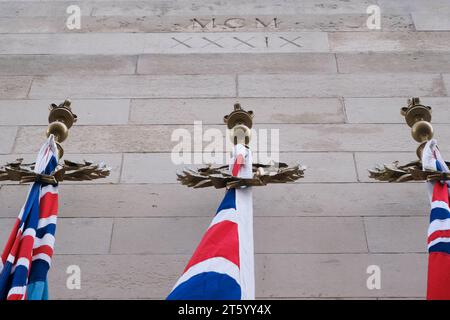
[
  {"x": 67, "y": 171},
  {"x": 61, "y": 119},
  {"x": 418, "y": 118},
  {"x": 220, "y": 177}
]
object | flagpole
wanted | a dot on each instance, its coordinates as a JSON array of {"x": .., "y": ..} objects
[
  {"x": 222, "y": 266},
  {"x": 240, "y": 123}
]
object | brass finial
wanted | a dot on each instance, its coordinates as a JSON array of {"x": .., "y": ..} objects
[
  {"x": 240, "y": 123},
  {"x": 239, "y": 116},
  {"x": 418, "y": 117},
  {"x": 61, "y": 119}
]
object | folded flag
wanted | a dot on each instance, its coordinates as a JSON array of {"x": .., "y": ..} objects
[
  {"x": 26, "y": 258},
  {"x": 438, "y": 287},
  {"x": 222, "y": 266}
]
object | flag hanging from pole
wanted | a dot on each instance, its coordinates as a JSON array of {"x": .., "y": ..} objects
[
  {"x": 26, "y": 258},
  {"x": 438, "y": 287},
  {"x": 222, "y": 266}
]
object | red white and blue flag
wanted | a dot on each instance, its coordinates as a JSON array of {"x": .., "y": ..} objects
[
  {"x": 439, "y": 229},
  {"x": 222, "y": 266},
  {"x": 27, "y": 256}
]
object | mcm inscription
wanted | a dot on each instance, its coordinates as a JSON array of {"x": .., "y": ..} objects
[{"x": 232, "y": 24}]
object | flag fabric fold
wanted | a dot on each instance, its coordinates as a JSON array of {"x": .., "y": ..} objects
[
  {"x": 438, "y": 284},
  {"x": 27, "y": 255},
  {"x": 222, "y": 266}
]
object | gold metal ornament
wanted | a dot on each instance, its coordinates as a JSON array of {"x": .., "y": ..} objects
[
  {"x": 61, "y": 119},
  {"x": 69, "y": 171},
  {"x": 239, "y": 122},
  {"x": 220, "y": 177},
  {"x": 418, "y": 118}
]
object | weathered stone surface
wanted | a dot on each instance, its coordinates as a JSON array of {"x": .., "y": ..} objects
[
  {"x": 14, "y": 87},
  {"x": 236, "y": 63},
  {"x": 293, "y": 138},
  {"x": 277, "y": 275},
  {"x": 5, "y": 229},
  {"x": 431, "y": 21},
  {"x": 140, "y": 43},
  {"x": 343, "y": 275},
  {"x": 302, "y": 234},
  {"x": 446, "y": 78},
  {"x": 164, "y": 86},
  {"x": 347, "y": 85},
  {"x": 89, "y": 112},
  {"x": 210, "y": 111},
  {"x": 377, "y": 62},
  {"x": 161, "y": 169},
  {"x": 66, "y": 64},
  {"x": 397, "y": 234},
  {"x": 413, "y": 6},
  {"x": 206, "y": 23},
  {"x": 49, "y": 8},
  {"x": 83, "y": 236},
  {"x": 230, "y": 7},
  {"x": 389, "y": 41},
  {"x": 298, "y": 199},
  {"x": 8, "y": 135},
  {"x": 343, "y": 199},
  {"x": 287, "y": 235},
  {"x": 387, "y": 110},
  {"x": 103, "y": 276}
]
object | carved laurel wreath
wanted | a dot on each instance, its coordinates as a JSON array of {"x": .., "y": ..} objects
[
  {"x": 70, "y": 171},
  {"x": 219, "y": 177},
  {"x": 409, "y": 172}
]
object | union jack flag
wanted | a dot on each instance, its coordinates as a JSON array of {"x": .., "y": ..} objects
[
  {"x": 439, "y": 229},
  {"x": 26, "y": 258},
  {"x": 222, "y": 266}
]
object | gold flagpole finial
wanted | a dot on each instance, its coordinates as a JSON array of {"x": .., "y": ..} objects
[
  {"x": 60, "y": 119},
  {"x": 240, "y": 123},
  {"x": 418, "y": 118}
]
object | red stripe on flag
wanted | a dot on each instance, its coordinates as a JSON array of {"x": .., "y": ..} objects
[
  {"x": 440, "y": 192},
  {"x": 220, "y": 240},
  {"x": 439, "y": 234},
  {"x": 15, "y": 297},
  {"x": 237, "y": 164},
  {"x": 438, "y": 276},
  {"x": 48, "y": 205},
  {"x": 16, "y": 245},
  {"x": 12, "y": 238},
  {"x": 43, "y": 249},
  {"x": 26, "y": 246}
]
